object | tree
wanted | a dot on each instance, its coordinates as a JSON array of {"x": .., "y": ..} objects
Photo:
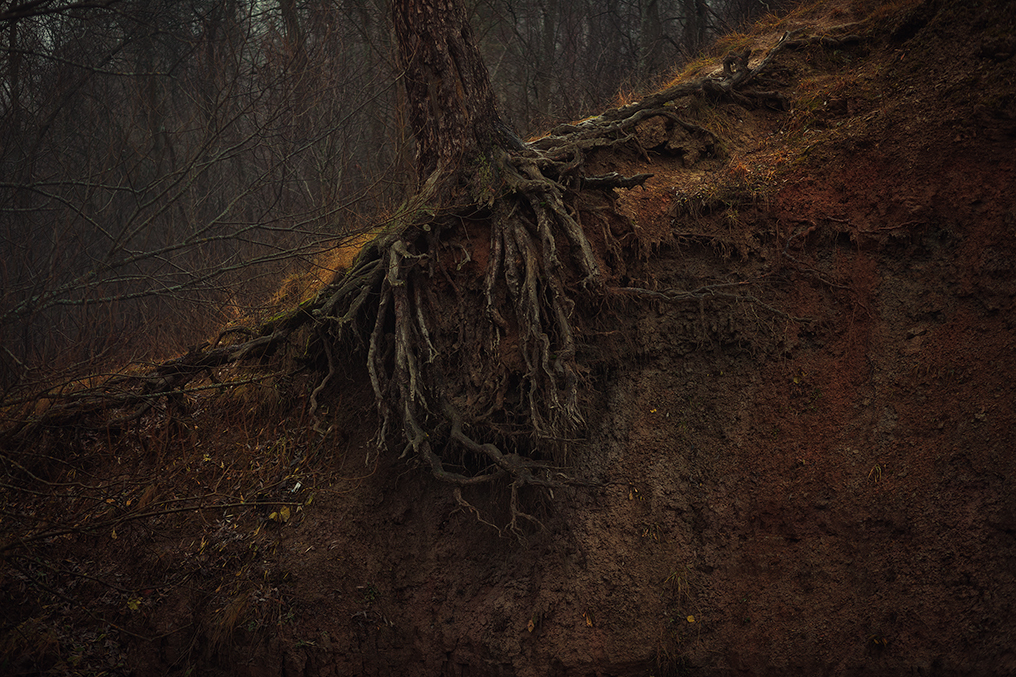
[{"x": 451, "y": 106}]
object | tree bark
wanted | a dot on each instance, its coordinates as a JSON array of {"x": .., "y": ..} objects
[
  {"x": 452, "y": 109},
  {"x": 651, "y": 42},
  {"x": 695, "y": 25}
]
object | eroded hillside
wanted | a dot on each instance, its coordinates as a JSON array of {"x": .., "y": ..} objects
[{"x": 800, "y": 452}]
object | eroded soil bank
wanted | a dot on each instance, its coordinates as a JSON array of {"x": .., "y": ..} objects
[{"x": 809, "y": 471}]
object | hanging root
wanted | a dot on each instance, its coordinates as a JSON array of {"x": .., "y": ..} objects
[{"x": 422, "y": 345}]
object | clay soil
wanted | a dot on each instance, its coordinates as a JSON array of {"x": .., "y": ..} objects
[{"x": 807, "y": 470}]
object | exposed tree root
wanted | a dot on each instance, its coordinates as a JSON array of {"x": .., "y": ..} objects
[{"x": 512, "y": 345}]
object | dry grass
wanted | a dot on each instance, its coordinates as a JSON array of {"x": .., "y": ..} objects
[{"x": 303, "y": 285}]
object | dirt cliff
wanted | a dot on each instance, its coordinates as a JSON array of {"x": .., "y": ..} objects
[{"x": 801, "y": 462}]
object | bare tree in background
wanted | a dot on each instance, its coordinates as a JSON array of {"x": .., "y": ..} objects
[{"x": 170, "y": 154}]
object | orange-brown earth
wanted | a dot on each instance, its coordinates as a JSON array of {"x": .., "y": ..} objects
[{"x": 810, "y": 471}]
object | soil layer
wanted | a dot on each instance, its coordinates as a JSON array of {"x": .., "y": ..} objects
[{"x": 806, "y": 469}]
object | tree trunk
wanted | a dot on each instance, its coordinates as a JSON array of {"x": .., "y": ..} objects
[
  {"x": 695, "y": 25},
  {"x": 651, "y": 47},
  {"x": 452, "y": 107}
]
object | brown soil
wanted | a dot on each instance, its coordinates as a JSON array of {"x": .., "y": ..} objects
[{"x": 812, "y": 474}]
